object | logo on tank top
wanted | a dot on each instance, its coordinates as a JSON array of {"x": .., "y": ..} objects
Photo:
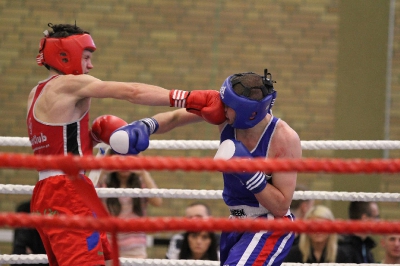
[{"x": 38, "y": 139}]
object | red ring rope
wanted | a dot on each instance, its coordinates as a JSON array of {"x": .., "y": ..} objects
[
  {"x": 72, "y": 164},
  {"x": 152, "y": 224}
]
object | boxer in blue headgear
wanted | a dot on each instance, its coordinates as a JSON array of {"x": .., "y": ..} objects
[
  {"x": 249, "y": 112},
  {"x": 251, "y": 131}
]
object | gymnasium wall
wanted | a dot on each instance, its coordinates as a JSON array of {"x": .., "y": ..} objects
[{"x": 192, "y": 45}]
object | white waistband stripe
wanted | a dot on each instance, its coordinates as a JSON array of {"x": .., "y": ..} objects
[{"x": 49, "y": 173}]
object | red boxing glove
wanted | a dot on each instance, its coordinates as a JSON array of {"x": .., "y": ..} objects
[
  {"x": 103, "y": 126},
  {"x": 204, "y": 103}
]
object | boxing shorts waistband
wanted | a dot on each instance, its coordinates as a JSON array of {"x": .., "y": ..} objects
[
  {"x": 49, "y": 173},
  {"x": 244, "y": 211}
]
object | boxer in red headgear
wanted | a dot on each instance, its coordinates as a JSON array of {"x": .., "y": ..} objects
[
  {"x": 58, "y": 124},
  {"x": 64, "y": 54}
]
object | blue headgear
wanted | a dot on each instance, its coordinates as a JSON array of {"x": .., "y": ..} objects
[{"x": 248, "y": 112}]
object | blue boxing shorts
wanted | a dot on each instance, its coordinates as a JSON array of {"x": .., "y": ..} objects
[{"x": 260, "y": 248}]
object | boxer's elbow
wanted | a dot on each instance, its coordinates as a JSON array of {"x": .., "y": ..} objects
[{"x": 277, "y": 206}]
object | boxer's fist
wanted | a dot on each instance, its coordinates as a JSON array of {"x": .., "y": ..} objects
[
  {"x": 255, "y": 182},
  {"x": 103, "y": 126},
  {"x": 204, "y": 103},
  {"x": 133, "y": 138}
]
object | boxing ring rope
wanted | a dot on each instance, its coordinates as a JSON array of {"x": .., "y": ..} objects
[
  {"x": 71, "y": 165},
  {"x": 24, "y": 259},
  {"x": 155, "y": 224},
  {"x": 213, "y": 144},
  {"x": 112, "y": 224},
  {"x": 214, "y": 194}
]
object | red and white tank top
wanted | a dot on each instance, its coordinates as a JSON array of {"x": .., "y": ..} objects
[{"x": 58, "y": 139}]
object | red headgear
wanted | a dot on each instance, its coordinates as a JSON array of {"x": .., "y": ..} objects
[{"x": 65, "y": 54}]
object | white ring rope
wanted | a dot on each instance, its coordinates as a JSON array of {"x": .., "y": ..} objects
[
  {"x": 213, "y": 144},
  {"x": 213, "y": 194},
  {"x": 42, "y": 258}
]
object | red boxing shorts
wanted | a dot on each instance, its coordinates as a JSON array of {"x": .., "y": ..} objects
[{"x": 56, "y": 195}]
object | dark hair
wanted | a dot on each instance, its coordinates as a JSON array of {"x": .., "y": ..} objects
[
  {"x": 196, "y": 203},
  {"x": 64, "y": 30},
  {"x": 211, "y": 253},
  {"x": 251, "y": 86},
  {"x": 113, "y": 204},
  {"x": 358, "y": 208}
]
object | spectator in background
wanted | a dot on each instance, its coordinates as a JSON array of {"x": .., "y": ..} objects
[
  {"x": 391, "y": 245},
  {"x": 358, "y": 246},
  {"x": 194, "y": 210},
  {"x": 131, "y": 244},
  {"x": 317, "y": 247},
  {"x": 300, "y": 207},
  {"x": 199, "y": 246},
  {"x": 27, "y": 240}
]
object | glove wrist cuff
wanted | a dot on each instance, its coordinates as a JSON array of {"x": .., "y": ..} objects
[
  {"x": 151, "y": 123},
  {"x": 177, "y": 98},
  {"x": 257, "y": 183}
]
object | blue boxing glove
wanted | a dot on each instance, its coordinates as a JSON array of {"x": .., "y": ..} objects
[
  {"x": 134, "y": 137},
  {"x": 255, "y": 182}
]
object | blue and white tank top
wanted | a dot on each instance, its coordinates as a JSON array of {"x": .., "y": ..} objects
[{"x": 234, "y": 192}]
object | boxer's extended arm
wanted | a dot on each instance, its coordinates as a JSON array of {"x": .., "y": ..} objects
[
  {"x": 177, "y": 118},
  {"x": 135, "y": 137},
  {"x": 86, "y": 86},
  {"x": 204, "y": 103}
]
